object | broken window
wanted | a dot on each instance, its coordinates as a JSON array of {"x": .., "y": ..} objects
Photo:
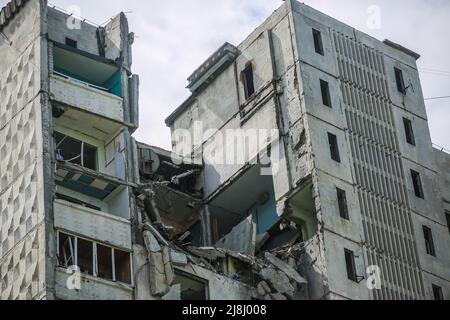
[
  {"x": 400, "y": 81},
  {"x": 122, "y": 266},
  {"x": 437, "y": 293},
  {"x": 318, "y": 45},
  {"x": 342, "y": 201},
  {"x": 94, "y": 259},
  {"x": 417, "y": 183},
  {"x": 75, "y": 151},
  {"x": 85, "y": 257},
  {"x": 104, "y": 262},
  {"x": 429, "y": 242},
  {"x": 325, "y": 88},
  {"x": 71, "y": 43},
  {"x": 334, "y": 148},
  {"x": 409, "y": 131},
  {"x": 192, "y": 288},
  {"x": 351, "y": 265},
  {"x": 76, "y": 201},
  {"x": 248, "y": 81},
  {"x": 66, "y": 252}
]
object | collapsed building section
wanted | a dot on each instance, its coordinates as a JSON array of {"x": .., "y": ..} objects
[{"x": 188, "y": 245}]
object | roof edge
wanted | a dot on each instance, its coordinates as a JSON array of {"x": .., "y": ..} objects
[{"x": 401, "y": 48}]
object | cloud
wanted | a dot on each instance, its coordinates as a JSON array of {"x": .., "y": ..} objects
[{"x": 175, "y": 37}]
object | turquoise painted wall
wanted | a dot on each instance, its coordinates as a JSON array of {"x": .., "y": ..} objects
[
  {"x": 113, "y": 84},
  {"x": 265, "y": 215}
]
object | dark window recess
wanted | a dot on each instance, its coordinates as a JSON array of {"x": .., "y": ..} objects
[
  {"x": 409, "y": 131},
  {"x": 447, "y": 215},
  {"x": 400, "y": 81},
  {"x": 417, "y": 183},
  {"x": 75, "y": 151},
  {"x": 76, "y": 201},
  {"x": 326, "y": 97},
  {"x": 334, "y": 148},
  {"x": 66, "y": 253},
  {"x": 71, "y": 43},
  {"x": 318, "y": 45},
  {"x": 122, "y": 266},
  {"x": 342, "y": 201},
  {"x": 429, "y": 242},
  {"x": 104, "y": 262},
  {"x": 351, "y": 266},
  {"x": 85, "y": 259},
  {"x": 248, "y": 81},
  {"x": 437, "y": 293},
  {"x": 192, "y": 288}
]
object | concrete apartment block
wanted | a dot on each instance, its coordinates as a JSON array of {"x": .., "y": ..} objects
[
  {"x": 68, "y": 106},
  {"x": 353, "y": 133}
]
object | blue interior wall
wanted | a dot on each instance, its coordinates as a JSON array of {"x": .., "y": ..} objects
[
  {"x": 265, "y": 215},
  {"x": 113, "y": 84}
]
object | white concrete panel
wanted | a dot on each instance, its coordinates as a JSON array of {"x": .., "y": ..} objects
[
  {"x": 80, "y": 95},
  {"x": 91, "y": 289},
  {"x": 93, "y": 224}
]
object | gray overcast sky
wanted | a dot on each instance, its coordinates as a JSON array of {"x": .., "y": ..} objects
[{"x": 174, "y": 37}]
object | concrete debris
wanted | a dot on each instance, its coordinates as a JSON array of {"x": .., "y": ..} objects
[
  {"x": 278, "y": 296},
  {"x": 155, "y": 232},
  {"x": 263, "y": 288},
  {"x": 150, "y": 242},
  {"x": 241, "y": 239},
  {"x": 168, "y": 266},
  {"x": 272, "y": 275},
  {"x": 278, "y": 281},
  {"x": 178, "y": 258},
  {"x": 174, "y": 293},
  {"x": 158, "y": 280},
  {"x": 287, "y": 269}
]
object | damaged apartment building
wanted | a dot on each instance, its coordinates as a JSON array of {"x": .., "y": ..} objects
[
  {"x": 358, "y": 200},
  {"x": 349, "y": 181}
]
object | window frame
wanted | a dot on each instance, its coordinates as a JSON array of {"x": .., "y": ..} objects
[
  {"x": 318, "y": 42},
  {"x": 429, "y": 241},
  {"x": 95, "y": 257},
  {"x": 326, "y": 94},
  {"x": 71, "y": 42},
  {"x": 447, "y": 217},
  {"x": 350, "y": 263},
  {"x": 409, "y": 132},
  {"x": 438, "y": 293},
  {"x": 400, "y": 80},
  {"x": 342, "y": 204},
  {"x": 333, "y": 143},
  {"x": 248, "y": 94},
  {"x": 417, "y": 184},
  {"x": 82, "y": 150}
]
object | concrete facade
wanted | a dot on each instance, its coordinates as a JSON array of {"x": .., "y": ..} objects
[
  {"x": 366, "y": 115},
  {"x": 44, "y": 193}
]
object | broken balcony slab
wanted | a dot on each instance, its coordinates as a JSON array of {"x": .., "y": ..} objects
[
  {"x": 88, "y": 182},
  {"x": 241, "y": 239},
  {"x": 286, "y": 268}
]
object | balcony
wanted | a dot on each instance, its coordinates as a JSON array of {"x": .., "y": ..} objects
[
  {"x": 86, "y": 82},
  {"x": 92, "y": 223},
  {"x": 91, "y": 288}
]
